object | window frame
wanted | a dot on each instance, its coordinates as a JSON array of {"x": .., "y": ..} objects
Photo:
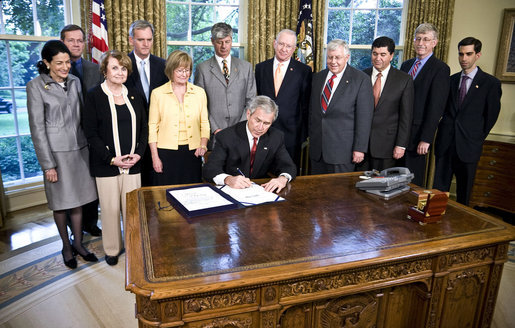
[
  {"x": 70, "y": 8},
  {"x": 399, "y": 47}
]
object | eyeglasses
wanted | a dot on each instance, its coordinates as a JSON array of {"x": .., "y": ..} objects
[
  {"x": 285, "y": 45},
  {"x": 182, "y": 71},
  {"x": 425, "y": 40}
]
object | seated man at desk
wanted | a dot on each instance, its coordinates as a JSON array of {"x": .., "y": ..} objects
[{"x": 250, "y": 150}]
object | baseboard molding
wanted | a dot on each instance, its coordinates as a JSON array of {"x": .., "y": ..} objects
[{"x": 25, "y": 197}]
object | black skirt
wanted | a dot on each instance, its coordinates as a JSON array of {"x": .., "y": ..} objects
[{"x": 179, "y": 167}]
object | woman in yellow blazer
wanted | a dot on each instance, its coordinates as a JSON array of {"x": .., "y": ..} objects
[{"x": 178, "y": 125}]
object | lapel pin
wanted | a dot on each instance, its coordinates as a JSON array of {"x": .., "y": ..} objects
[
  {"x": 265, "y": 148},
  {"x": 347, "y": 81},
  {"x": 132, "y": 97},
  {"x": 291, "y": 69},
  {"x": 477, "y": 86},
  {"x": 46, "y": 86}
]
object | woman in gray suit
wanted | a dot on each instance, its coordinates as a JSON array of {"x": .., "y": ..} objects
[{"x": 54, "y": 101}]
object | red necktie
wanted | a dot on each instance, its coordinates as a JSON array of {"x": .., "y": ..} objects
[
  {"x": 414, "y": 69},
  {"x": 377, "y": 89},
  {"x": 253, "y": 153},
  {"x": 326, "y": 95}
]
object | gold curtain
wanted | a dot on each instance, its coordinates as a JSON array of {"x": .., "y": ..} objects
[
  {"x": 121, "y": 13},
  {"x": 267, "y": 17},
  {"x": 437, "y": 12}
]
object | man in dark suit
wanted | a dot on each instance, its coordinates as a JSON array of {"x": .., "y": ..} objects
[
  {"x": 472, "y": 109},
  {"x": 141, "y": 38},
  {"x": 251, "y": 150},
  {"x": 431, "y": 80},
  {"x": 340, "y": 113},
  {"x": 89, "y": 75},
  {"x": 288, "y": 83},
  {"x": 148, "y": 73},
  {"x": 229, "y": 82},
  {"x": 393, "y": 99},
  {"x": 88, "y": 72}
]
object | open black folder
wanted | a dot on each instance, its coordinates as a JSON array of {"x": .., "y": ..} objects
[{"x": 200, "y": 199}]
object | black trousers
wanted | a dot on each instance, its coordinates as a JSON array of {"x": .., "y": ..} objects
[
  {"x": 450, "y": 164},
  {"x": 417, "y": 165}
]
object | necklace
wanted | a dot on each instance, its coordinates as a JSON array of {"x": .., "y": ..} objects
[{"x": 117, "y": 95}]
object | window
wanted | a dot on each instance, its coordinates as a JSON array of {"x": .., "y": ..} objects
[
  {"x": 24, "y": 25},
  {"x": 188, "y": 26},
  {"x": 359, "y": 22}
]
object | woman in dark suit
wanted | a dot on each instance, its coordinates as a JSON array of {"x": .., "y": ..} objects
[
  {"x": 115, "y": 124},
  {"x": 54, "y": 102}
]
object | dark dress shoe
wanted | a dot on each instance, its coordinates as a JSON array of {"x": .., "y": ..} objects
[
  {"x": 94, "y": 231},
  {"x": 90, "y": 257},
  {"x": 111, "y": 260},
  {"x": 71, "y": 263}
]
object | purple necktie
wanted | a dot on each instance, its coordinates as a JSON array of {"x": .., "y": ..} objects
[{"x": 463, "y": 88}]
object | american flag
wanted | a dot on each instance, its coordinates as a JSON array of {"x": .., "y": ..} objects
[
  {"x": 304, "y": 51},
  {"x": 98, "y": 32}
]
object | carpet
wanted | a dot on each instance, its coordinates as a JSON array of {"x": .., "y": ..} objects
[{"x": 31, "y": 277}]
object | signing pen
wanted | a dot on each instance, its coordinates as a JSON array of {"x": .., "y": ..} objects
[{"x": 239, "y": 171}]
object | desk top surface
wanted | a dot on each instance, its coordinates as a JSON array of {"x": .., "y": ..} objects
[{"x": 325, "y": 221}]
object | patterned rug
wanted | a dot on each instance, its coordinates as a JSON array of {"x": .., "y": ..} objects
[{"x": 26, "y": 273}]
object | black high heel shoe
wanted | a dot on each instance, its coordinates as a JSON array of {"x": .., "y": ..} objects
[
  {"x": 90, "y": 257},
  {"x": 71, "y": 263}
]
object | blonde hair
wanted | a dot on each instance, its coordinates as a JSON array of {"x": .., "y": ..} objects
[{"x": 177, "y": 58}]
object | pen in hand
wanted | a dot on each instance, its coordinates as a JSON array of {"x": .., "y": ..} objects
[{"x": 239, "y": 171}]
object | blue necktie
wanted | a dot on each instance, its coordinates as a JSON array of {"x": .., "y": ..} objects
[{"x": 144, "y": 80}]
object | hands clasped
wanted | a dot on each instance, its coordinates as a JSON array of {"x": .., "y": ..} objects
[{"x": 126, "y": 161}]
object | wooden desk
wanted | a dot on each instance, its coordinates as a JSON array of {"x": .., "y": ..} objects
[{"x": 330, "y": 256}]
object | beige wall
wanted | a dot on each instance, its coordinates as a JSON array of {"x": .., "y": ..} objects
[{"x": 483, "y": 20}]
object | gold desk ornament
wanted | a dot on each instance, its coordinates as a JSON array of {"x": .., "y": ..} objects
[{"x": 430, "y": 205}]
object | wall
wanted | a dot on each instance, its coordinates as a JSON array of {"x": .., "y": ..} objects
[{"x": 483, "y": 20}]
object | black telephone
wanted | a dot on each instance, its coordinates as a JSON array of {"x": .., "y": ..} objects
[{"x": 387, "y": 183}]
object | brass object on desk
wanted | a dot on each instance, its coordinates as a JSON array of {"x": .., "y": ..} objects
[{"x": 430, "y": 205}]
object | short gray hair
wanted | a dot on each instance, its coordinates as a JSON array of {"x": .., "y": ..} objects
[
  {"x": 265, "y": 103},
  {"x": 221, "y": 31},
  {"x": 336, "y": 43},
  {"x": 426, "y": 28},
  {"x": 286, "y": 31},
  {"x": 140, "y": 24}
]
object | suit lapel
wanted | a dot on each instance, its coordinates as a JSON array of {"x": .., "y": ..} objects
[
  {"x": 454, "y": 83},
  {"x": 289, "y": 76},
  {"x": 261, "y": 153},
  {"x": 474, "y": 87},
  {"x": 243, "y": 148},
  {"x": 235, "y": 71},
  {"x": 135, "y": 73},
  {"x": 215, "y": 70},
  {"x": 342, "y": 86},
  {"x": 268, "y": 72}
]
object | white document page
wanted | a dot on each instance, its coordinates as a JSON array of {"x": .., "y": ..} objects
[
  {"x": 200, "y": 198},
  {"x": 253, "y": 195}
]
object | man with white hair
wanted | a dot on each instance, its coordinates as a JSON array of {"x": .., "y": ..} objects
[
  {"x": 340, "y": 113},
  {"x": 288, "y": 83}
]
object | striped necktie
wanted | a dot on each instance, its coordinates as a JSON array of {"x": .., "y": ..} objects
[
  {"x": 414, "y": 69},
  {"x": 326, "y": 95}
]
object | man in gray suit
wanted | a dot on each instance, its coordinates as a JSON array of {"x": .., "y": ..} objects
[
  {"x": 393, "y": 99},
  {"x": 340, "y": 113},
  {"x": 228, "y": 81},
  {"x": 88, "y": 73}
]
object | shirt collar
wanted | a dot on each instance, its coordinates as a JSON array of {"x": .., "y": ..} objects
[
  {"x": 138, "y": 60},
  {"x": 284, "y": 63},
  {"x": 471, "y": 75},
  {"x": 384, "y": 72}
]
